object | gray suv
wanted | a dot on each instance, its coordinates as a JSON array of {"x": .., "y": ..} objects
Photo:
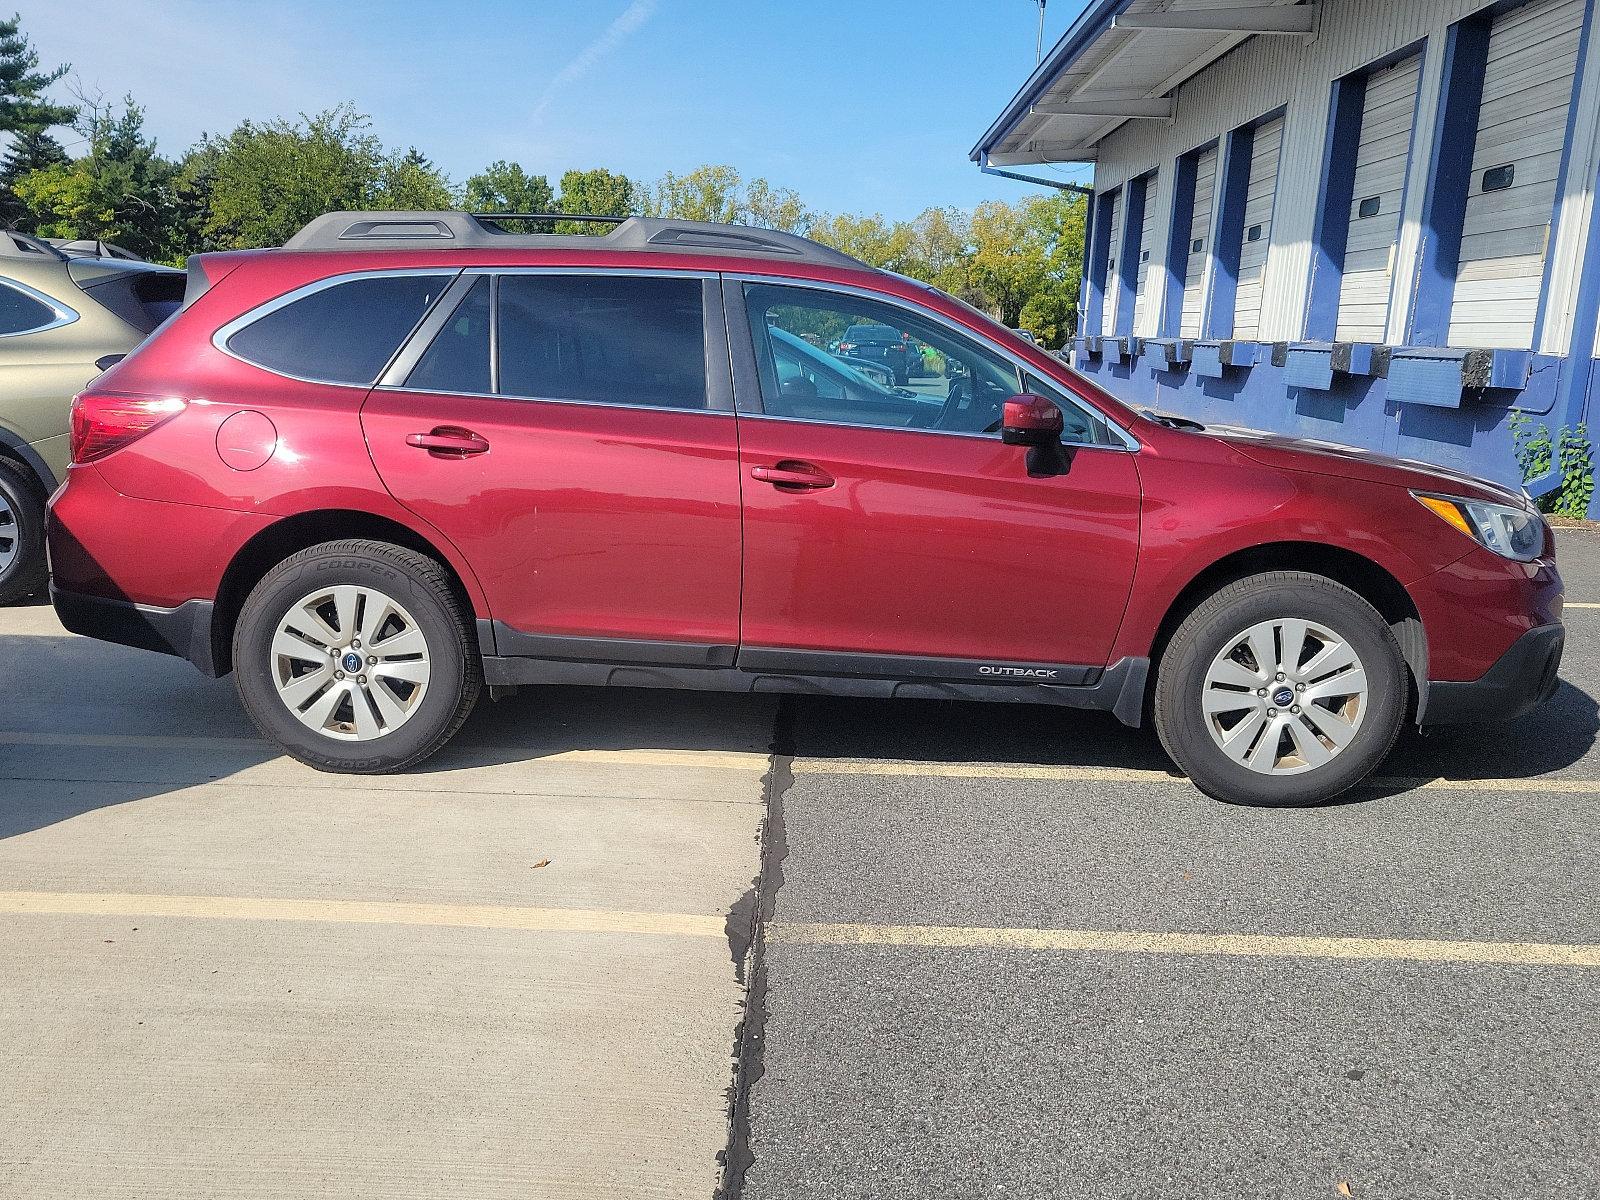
[{"x": 67, "y": 310}]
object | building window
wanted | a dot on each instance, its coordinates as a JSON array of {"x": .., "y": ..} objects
[
  {"x": 1370, "y": 207},
  {"x": 1498, "y": 179},
  {"x": 1254, "y": 235}
]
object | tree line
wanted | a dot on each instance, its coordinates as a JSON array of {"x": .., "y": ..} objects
[{"x": 260, "y": 183}]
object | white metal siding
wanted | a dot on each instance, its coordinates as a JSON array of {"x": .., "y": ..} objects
[
  {"x": 1260, "y": 193},
  {"x": 1108, "y": 322},
  {"x": 1147, "y": 253},
  {"x": 1266, "y": 72},
  {"x": 1387, "y": 112},
  {"x": 1527, "y": 87},
  {"x": 1194, "y": 276}
]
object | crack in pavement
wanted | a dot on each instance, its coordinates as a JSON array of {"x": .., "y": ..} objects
[{"x": 746, "y": 927}]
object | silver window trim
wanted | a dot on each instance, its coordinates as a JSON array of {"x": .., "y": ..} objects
[
  {"x": 219, "y": 339},
  {"x": 60, "y": 313},
  {"x": 1129, "y": 443}
]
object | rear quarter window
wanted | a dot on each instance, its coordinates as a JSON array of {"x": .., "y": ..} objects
[
  {"x": 143, "y": 299},
  {"x": 21, "y": 312},
  {"x": 343, "y": 332}
]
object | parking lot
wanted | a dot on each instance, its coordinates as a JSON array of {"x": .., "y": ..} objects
[{"x": 998, "y": 951}]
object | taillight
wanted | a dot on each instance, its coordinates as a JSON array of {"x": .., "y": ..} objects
[
  {"x": 846, "y": 347},
  {"x": 103, "y": 422}
]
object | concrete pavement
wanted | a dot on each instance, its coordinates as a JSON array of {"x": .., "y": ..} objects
[{"x": 226, "y": 975}]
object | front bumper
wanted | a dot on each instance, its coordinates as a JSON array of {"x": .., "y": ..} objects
[
  {"x": 184, "y": 631},
  {"x": 1522, "y": 679}
]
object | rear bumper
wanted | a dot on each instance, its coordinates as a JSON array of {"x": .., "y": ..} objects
[
  {"x": 1522, "y": 679},
  {"x": 184, "y": 631}
]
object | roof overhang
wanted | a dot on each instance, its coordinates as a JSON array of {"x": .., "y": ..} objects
[{"x": 1123, "y": 60}]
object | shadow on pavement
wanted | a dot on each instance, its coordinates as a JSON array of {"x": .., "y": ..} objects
[{"x": 79, "y": 697}]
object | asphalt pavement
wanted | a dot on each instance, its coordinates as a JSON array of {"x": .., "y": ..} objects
[{"x": 917, "y": 1042}]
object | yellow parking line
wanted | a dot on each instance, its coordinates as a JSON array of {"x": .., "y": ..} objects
[
  {"x": 692, "y": 925},
  {"x": 744, "y": 760},
  {"x": 726, "y": 759},
  {"x": 1237, "y": 945},
  {"x": 363, "y": 912}
]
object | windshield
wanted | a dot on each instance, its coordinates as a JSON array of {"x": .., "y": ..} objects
[{"x": 870, "y": 333}]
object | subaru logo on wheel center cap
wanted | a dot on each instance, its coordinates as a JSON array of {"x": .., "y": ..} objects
[
  {"x": 1283, "y": 697},
  {"x": 352, "y": 661}
]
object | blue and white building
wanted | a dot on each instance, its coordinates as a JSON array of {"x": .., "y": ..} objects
[{"x": 1365, "y": 221}]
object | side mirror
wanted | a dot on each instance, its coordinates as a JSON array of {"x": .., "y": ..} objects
[{"x": 1031, "y": 421}]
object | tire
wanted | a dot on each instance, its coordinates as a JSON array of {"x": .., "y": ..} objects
[
  {"x": 1320, "y": 746},
  {"x": 329, "y": 596},
  {"x": 23, "y": 568}
]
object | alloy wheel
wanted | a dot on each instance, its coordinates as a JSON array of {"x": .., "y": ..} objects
[
  {"x": 1285, "y": 696},
  {"x": 350, "y": 663},
  {"x": 10, "y": 535}
]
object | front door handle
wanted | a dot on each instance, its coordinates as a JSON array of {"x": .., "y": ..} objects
[
  {"x": 792, "y": 475},
  {"x": 447, "y": 441}
]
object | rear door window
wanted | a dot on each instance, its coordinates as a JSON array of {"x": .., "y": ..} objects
[
  {"x": 458, "y": 358},
  {"x": 606, "y": 339},
  {"x": 22, "y": 313},
  {"x": 343, "y": 333}
]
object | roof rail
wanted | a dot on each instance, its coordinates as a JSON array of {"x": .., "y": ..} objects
[
  {"x": 20, "y": 245},
  {"x": 469, "y": 231},
  {"x": 92, "y": 248}
]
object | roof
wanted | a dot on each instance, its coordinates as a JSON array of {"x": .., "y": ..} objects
[
  {"x": 467, "y": 231},
  {"x": 1123, "y": 60}
]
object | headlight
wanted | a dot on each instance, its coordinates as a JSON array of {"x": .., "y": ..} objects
[{"x": 1514, "y": 533}]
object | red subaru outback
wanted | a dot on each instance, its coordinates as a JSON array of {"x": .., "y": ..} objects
[{"x": 408, "y": 455}]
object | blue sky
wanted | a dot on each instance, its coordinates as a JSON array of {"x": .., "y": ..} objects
[{"x": 866, "y": 106}]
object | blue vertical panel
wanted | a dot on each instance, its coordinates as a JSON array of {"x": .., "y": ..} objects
[
  {"x": 1090, "y": 228},
  {"x": 1134, "y": 197},
  {"x": 1177, "y": 256},
  {"x": 1099, "y": 256},
  {"x": 1444, "y": 204},
  {"x": 1333, "y": 206},
  {"x": 1234, "y": 165}
]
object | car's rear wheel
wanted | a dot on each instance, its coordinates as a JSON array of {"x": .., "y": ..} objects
[
  {"x": 356, "y": 656},
  {"x": 23, "y": 572},
  {"x": 1281, "y": 689}
]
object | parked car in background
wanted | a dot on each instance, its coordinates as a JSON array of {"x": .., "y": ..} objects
[
  {"x": 64, "y": 311},
  {"x": 882, "y": 344},
  {"x": 1026, "y": 335},
  {"x": 407, "y": 456}
]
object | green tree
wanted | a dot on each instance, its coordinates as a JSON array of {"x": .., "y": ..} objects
[
  {"x": 717, "y": 192},
  {"x": 410, "y": 180},
  {"x": 23, "y": 107},
  {"x": 121, "y": 191},
  {"x": 776, "y": 208},
  {"x": 264, "y": 182},
  {"x": 876, "y": 242},
  {"x": 1051, "y": 313},
  {"x": 598, "y": 193},
  {"x": 30, "y": 150},
  {"x": 505, "y": 187}
]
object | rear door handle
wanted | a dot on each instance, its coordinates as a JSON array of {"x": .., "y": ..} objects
[
  {"x": 448, "y": 442},
  {"x": 791, "y": 475}
]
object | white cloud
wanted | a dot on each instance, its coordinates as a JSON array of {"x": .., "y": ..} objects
[{"x": 635, "y": 15}]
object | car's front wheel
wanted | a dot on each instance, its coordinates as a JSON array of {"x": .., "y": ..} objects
[
  {"x": 22, "y": 560},
  {"x": 356, "y": 656},
  {"x": 1281, "y": 689}
]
